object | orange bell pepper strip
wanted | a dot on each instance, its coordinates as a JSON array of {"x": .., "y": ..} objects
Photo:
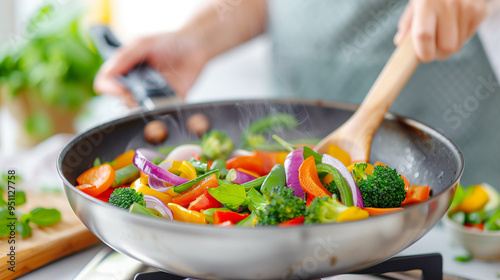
[
  {"x": 195, "y": 191},
  {"x": 224, "y": 216},
  {"x": 101, "y": 177},
  {"x": 373, "y": 211},
  {"x": 250, "y": 163},
  {"x": 123, "y": 159},
  {"x": 407, "y": 186},
  {"x": 417, "y": 194},
  {"x": 184, "y": 215},
  {"x": 309, "y": 179},
  {"x": 293, "y": 222},
  {"x": 379, "y": 163},
  {"x": 203, "y": 202},
  {"x": 270, "y": 159}
]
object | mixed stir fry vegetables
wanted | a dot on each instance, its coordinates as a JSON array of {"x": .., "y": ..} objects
[
  {"x": 477, "y": 207},
  {"x": 265, "y": 184}
]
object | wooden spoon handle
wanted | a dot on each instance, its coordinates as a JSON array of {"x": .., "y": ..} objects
[{"x": 387, "y": 87}]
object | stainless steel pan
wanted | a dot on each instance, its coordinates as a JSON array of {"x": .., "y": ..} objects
[{"x": 304, "y": 252}]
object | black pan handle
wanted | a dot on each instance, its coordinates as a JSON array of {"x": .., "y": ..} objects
[{"x": 143, "y": 81}]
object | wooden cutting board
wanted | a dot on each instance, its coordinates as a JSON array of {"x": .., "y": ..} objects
[{"x": 46, "y": 244}]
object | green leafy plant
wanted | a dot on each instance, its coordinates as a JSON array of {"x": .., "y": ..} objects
[{"x": 52, "y": 63}]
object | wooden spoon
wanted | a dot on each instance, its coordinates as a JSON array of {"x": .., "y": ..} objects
[{"x": 355, "y": 135}]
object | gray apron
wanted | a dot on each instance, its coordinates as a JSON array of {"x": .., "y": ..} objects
[{"x": 334, "y": 49}]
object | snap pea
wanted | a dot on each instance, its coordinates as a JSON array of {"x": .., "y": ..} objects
[
  {"x": 184, "y": 187},
  {"x": 345, "y": 191},
  {"x": 125, "y": 175},
  {"x": 248, "y": 221},
  {"x": 254, "y": 183},
  {"x": 219, "y": 164},
  {"x": 310, "y": 152},
  {"x": 275, "y": 178},
  {"x": 199, "y": 167}
]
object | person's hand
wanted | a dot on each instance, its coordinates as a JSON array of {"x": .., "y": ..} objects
[
  {"x": 176, "y": 56},
  {"x": 439, "y": 28}
]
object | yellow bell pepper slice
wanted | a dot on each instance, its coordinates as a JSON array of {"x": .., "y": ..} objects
[
  {"x": 185, "y": 215},
  {"x": 139, "y": 186},
  {"x": 338, "y": 153},
  {"x": 123, "y": 159},
  {"x": 352, "y": 213},
  {"x": 183, "y": 169},
  {"x": 475, "y": 201}
]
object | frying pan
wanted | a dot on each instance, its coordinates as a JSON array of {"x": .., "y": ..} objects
[{"x": 422, "y": 154}]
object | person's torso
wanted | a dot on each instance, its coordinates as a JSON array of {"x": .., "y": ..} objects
[{"x": 334, "y": 50}]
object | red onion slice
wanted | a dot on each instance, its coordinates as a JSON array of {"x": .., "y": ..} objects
[
  {"x": 292, "y": 164},
  {"x": 146, "y": 166},
  {"x": 157, "y": 185},
  {"x": 152, "y": 202},
  {"x": 239, "y": 177},
  {"x": 344, "y": 172}
]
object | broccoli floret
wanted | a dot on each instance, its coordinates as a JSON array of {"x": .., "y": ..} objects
[
  {"x": 125, "y": 197},
  {"x": 358, "y": 173},
  {"x": 282, "y": 206},
  {"x": 333, "y": 189},
  {"x": 216, "y": 144},
  {"x": 384, "y": 188},
  {"x": 324, "y": 209}
]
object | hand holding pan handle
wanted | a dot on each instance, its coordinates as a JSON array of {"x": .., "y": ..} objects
[{"x": 146, "y": 84}]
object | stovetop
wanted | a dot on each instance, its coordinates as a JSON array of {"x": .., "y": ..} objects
[{"x": 424, "y": 267}]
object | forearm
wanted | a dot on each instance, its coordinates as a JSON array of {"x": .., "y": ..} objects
[{"x": 224, "y": 24}]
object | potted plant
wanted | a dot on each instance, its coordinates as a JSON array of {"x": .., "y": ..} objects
[{"x": 46, "y": 74}]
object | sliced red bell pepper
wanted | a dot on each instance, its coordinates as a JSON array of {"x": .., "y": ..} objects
[
  {"x": 416, "y": 194},
  {"x": 195, "y": 191},
  {"x": 224, "y": 216},
  {"x": 107, "y": 193},
  {"x": 479, "y": 226},
  {"x": 203, "y": 202},
  {"x": 293, "y": 222},
  {"x": 309, "y": 199},
  {"x": 250, "y": 163}
]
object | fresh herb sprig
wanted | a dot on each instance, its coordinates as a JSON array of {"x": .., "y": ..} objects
[{"x": 39, "y": 216}]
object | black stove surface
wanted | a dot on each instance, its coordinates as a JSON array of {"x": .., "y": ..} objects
[{"x": 430, "y": 265}]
